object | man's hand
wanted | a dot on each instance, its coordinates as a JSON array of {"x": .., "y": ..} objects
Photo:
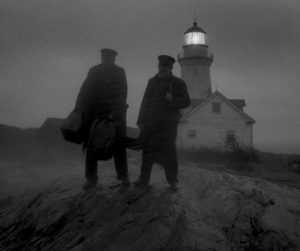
[{"x": 169, "y": 96}]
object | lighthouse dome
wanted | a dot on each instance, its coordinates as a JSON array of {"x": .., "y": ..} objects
[{"x": 195, "y": 36}]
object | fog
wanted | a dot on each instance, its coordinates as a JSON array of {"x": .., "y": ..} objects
[{"x": 47, "y": 48}]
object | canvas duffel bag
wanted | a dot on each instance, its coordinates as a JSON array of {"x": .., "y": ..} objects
[{"x": 72, "y": 128}]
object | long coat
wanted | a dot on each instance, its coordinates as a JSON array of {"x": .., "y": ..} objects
[
  {"x": 160, "y": 116},
  {"x": 103, "y": 92},
  {"x": 155, "y": 108}
]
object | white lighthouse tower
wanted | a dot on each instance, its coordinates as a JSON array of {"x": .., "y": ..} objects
[{"x": 195, "y": 61}]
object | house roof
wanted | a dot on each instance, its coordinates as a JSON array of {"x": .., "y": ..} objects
[
  {"x": 233, "y": 103},
  {"x": 196, "y": 102},
  {"x": 239, "y": 103},
  {"x": 52, "y": 122}
]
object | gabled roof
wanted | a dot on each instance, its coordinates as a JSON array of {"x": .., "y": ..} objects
[
  {"x": 231, "y": 103},
  {"x": 196, "y": 102},
  {"x": 53, "y": 123},
  {"x": 239, "y": 103}
]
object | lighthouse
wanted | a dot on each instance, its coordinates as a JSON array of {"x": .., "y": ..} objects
[
  {"x": 195, "y": 61},
  {"x": 212, "y": 121}
]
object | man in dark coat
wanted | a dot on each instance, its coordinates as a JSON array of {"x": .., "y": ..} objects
[
  {"x": 104, "y": 93},
  {"x": 158, "y": 118}
]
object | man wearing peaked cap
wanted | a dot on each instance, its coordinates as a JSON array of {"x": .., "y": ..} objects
[
  {"x": 103, "y": 94},
  {"x": 166, "y": 60},
  {"x": 158, "y": 118},
  {"x": 108, "y": 52}
]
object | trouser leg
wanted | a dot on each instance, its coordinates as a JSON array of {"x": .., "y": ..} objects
[
  {"x": 146, "y": 168},
  {"x": 120, "y": 155},
  {"x": 90, "y": 166},
  {"x": 170, "y": 165},
  {"x": 171, "y": 171},
  {"x": 120, "y": 160}
]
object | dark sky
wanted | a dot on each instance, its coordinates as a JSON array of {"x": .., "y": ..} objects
[{"x": 48, "y": 46}]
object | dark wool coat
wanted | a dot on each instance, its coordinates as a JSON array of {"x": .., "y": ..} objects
[
  {"x": 155, "y": 108},
  {"x": 160, "y": 116},
  {"x": 103, "y": 92}
]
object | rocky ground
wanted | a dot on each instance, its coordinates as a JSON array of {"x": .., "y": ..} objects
[{"x": 212, "y": 210}]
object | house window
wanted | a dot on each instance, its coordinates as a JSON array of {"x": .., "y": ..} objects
[
  {"x": 216, "y": 107},
  {"x": 192, "y": 133},
  {"x": 230, "y": 138}
]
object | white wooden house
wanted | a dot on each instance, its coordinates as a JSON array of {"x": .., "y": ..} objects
[{"x": 214, "y": 123}]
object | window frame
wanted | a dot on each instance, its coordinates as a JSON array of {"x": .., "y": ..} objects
[
  {"x": 192, "y": 133},
  {"x": 231, "y": 137},
  {"x": 218, "y": 106}
]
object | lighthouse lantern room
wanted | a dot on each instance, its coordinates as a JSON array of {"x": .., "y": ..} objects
[{"x": 195, "y": 35}]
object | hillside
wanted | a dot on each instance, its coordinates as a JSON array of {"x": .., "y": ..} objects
[
  {"x": 40, "y": 144},
  {"x": 36, "y": 144},
  {"x": 212, "y": 210}
]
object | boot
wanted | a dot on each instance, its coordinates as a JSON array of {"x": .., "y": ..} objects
[
  {"x": 174, "y": 186},
  {"x": 140, "y": 184},
  {"x": 125, "y": 181},
  {"x": 90, "y": 183}
]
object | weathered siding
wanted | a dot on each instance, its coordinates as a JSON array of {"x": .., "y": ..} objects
[{"x": 212, "y": 128}]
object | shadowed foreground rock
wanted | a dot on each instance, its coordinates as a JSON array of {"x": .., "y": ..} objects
[{"x": 211, "y": 211}]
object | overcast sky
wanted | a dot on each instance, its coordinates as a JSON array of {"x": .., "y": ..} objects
[{"x": 47, "y": 47}]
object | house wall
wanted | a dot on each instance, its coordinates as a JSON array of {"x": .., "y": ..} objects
[{"x": 212, "y": 128}]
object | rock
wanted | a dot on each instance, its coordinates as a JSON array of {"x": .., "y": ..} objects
[{"x": 210, "y": 211}]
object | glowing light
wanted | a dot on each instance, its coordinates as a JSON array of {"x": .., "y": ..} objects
[{"x": 195, "y": 38}]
